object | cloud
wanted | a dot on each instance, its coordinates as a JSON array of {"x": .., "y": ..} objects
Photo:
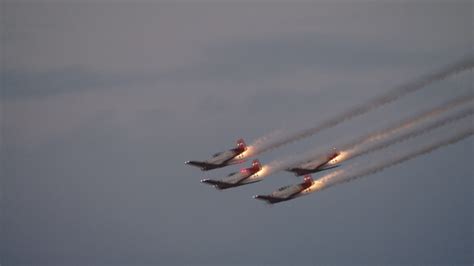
[
  {"x": 257, "y": 59},
  {"x": 94, "y": 162},
  {"x": 22, "y": 84}
]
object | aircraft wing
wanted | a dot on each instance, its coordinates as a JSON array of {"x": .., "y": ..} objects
[
  {"x": 222, "y": 157},
  {"x": 327, "y": 167},
  {"x": 203, "y": 165},
  {"x": 269, "y": 199},
  {"x": 299, "y": 171},
  {"x": 214, "y": 182},
  {"x": 235, "y": 178},
  {"x": 217, "y": 183}
]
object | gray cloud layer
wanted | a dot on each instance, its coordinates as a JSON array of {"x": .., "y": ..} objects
[{"x": 104, "y": 102}]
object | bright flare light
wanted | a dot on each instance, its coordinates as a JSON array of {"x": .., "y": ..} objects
[
  {"x": 247, "y": 153},
  {"x": 322, "y": 183},
  {"x": 316, "y": 186},
  {"x": 343, "y": 155},
  {"x": 264, "y": 171}
]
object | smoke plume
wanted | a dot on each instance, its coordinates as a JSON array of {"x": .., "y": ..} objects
[
  {"x": 267, "y": 143},
  {"x": 401, "y": 131}
]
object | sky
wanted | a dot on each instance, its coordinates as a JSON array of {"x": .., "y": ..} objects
[{"x": 103, "y": 102}]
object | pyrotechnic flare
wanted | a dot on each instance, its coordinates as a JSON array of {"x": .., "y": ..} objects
[
  {"x": 265, "y": 143},
  {"x": 350, "y": 174}
]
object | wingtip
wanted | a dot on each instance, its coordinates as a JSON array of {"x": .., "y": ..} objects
[
  {"x": 187, "y": 162},
  {"x": 259, "y": 197}
]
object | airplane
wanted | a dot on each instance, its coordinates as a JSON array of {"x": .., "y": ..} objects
[
  {"x": 287, "y": 192},
  {"x": 316, "y": 165},
  {"x": 243, "y": 177},
  {"x": 222, "y": 159}
]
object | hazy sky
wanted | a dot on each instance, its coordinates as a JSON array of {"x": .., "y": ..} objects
[{"x": 102, "y": 104}]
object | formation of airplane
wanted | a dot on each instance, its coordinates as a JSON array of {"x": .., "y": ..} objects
[
  {"x": 316, "y": 165},
  {"x": 257, "y": 172},
  {"x": 222, "y": 159},
  {"x": 253, "y": 174},
  {"x": 243, "y": 177},
  {"x": 287, "y": 192}
]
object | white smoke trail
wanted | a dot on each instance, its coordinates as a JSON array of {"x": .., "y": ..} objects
[
  {"x": 383, "y": 138},
  {"x": 262, "y": 145},
  {"x": 410, "y": 122},
  {"x": 365, "y": 149},
  {"x": 350, "y": 174}
]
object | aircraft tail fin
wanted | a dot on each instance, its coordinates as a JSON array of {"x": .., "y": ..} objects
[
  {"x": 256, "y": 164},
  {"x": 241, "y": 145},
  {"x": 308, "y": 179}
]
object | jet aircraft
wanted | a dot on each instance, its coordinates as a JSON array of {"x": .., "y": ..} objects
[
  {"x": 316, "y": 165},
  {"x": 287, "y": 192},
  {"x": 222, "y": 159},
  {"x": 243, "y": 177}
]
